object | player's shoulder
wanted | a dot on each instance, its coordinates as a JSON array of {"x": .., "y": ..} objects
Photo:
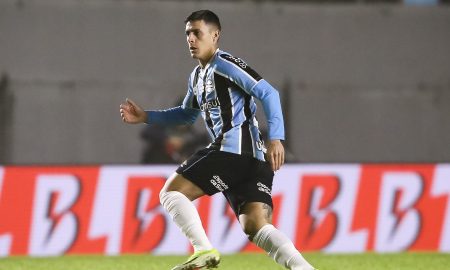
[
  {"x": 195, "y": 70},
  {"x": 227, "y": 63},
  {"x": 194, "y": 73},
  {"x": 227, "y": 60}
]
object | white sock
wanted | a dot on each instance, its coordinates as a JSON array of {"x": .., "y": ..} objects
[
  {"x": 186, "y": 217},
  {"x": 280, "y": 248}
]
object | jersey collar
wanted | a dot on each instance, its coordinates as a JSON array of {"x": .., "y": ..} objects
[{"x": 210, "y": 60}]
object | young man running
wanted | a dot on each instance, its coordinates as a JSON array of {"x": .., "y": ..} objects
[{"x": 222, "y": 89}]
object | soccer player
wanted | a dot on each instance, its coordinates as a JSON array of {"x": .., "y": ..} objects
[{"x": 222, "y": 89}]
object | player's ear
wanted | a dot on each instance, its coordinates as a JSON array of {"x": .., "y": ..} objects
[{"x": 216, "y": 35}]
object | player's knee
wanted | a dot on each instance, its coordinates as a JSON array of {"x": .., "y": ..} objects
[
  {"x": 168, "y": 192},
  {"x": 251, "y": 226},
  {"x": 249, "y": 229},
  {"x": 253, "y": 217},
  {"x": 164, "y": 196}
]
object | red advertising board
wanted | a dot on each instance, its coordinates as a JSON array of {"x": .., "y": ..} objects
[{"x": 49, "y": 211}]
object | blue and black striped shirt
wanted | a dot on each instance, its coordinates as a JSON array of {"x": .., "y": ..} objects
[{"x": 223, "y": 93}]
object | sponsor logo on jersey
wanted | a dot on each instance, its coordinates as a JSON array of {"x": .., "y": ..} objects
[
  {"x": 237, "y": 60},
  {"x": 242, "y": 65},
  {"x": 218, "y": 183},
  {"x": 260, "y": 146},
  {"x": 210, "y": 104}
]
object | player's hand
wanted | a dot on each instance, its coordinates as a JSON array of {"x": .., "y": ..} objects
[
  {"x": 132, "y": 113},
  {"x": 275, "y": 154}
]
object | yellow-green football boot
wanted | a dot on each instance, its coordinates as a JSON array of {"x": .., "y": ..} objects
[{"x": 207, "y": 259}]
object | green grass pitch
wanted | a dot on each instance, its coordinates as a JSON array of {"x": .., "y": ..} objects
[{"x": 249, "y": 261}]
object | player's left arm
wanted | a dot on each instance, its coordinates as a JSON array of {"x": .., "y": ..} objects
[
  {"x": 270, "y": 100},
  {"x": 251, "y": 82}
]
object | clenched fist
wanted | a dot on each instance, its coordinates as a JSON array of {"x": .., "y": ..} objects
[{"x": 132, "y": 113}]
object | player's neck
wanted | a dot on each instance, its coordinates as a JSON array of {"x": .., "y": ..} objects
[{"x": 204, "y": 62}]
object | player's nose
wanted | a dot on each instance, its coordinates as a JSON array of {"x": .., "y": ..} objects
[{"x": 191, "y": 38}]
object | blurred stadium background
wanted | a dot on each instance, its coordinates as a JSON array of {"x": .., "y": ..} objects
[
  {"x": 362, "y": 83},
  {"x": 360, "y": 80}
]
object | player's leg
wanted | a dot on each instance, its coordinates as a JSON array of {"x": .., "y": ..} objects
[
  {"x": 253, "y": 204},
  {"x": 256, "y": 221},
  {"x": 191, "y": 181},
  {"x": 176, "y": 197}
]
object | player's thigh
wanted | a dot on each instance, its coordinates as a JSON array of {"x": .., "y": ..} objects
[
  {"x": 213, "y": 171},
  {"x": 177, "y": 182},
  {"x": 203, "y": 173},
  {"x": 256, "y": 198},
  {"x": 253, "y": 216}
]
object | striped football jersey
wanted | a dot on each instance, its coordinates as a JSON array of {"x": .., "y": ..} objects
[{"x": 223, "y": 93}]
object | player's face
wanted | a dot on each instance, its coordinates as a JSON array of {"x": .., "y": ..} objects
[{"x": 202, "y": 40}]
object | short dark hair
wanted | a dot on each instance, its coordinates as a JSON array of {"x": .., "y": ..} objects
[{"x": 206, "y": 15}]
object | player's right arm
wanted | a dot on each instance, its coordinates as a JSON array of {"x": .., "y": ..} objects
[
  {"x": 132, "y": 113},
  {"x": 185, "y": 114}
]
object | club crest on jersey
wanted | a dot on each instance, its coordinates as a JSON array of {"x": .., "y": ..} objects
[{"x": 209, "y": 86}]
